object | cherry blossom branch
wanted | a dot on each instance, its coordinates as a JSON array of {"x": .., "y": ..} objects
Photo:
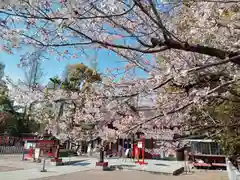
[
  {"x": 168, "y": 43},
  {"x": 180, "y": 108},
  {"x": 211, "y": 51},
  {"x": 102, "y": 43},
  {"x": 215, "y": 64},
  {"x": 204, "y": 128},
  {"x": 123, "y": 28},
  {"x": 220, "y": 1},
  {"x": 32, "y": 16}
]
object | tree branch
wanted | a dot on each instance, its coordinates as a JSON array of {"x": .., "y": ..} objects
[
  {"x": 197, "y": 48},
  {"x": 177, "y": 109}
]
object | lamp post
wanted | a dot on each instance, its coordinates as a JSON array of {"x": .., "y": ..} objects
[
  {"x": 101, "y": 159},
  {"x": 101, "y": 155}
]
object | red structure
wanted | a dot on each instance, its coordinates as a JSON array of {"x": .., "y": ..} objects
[
  {"x": 141, "y": 146},
  {"x": 56, "y": 155},
  {"x": 30, "y": 153},
  {"x": 151, "y": 147},
  {"x": 28, "y": 150},
  {"x": 135, "y": 152},
  {"x": 49, "y": 148}
]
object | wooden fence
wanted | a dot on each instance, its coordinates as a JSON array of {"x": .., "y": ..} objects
[{"x": 11, "y": 149}]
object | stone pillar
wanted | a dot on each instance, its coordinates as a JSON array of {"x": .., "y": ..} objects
[
  {"x": 89, "y": 149},
  {"x": 110, "y": 146},
  {"x": 79, "y": 150}
]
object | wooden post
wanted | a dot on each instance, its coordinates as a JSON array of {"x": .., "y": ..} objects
[
  {"x": 133, "y": 150},
  {"x": 101, "y": 155},
  {"x": 143, "y": 149},
  {"x": 152, "y": 146},
  {"x": 117, "y": 147},
  {"x": 122, "y": 153},
  {"x": 138, "y": 154}
]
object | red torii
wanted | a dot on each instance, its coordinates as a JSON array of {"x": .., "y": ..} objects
[{"x": 140, "y": 145}]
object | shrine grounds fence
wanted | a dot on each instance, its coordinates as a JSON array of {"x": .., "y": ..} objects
[
  {"x": 13, "y": 145},
  {"x": 11, "y": 149}
]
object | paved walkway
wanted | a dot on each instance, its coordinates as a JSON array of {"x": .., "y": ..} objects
[
  {"x": 31, "y": 170},
  {"x": 34, "y": 173},
  {"x": 86, "y": 170},
  {"x": 136, "y": 175},
  {"x": 154, "y": 166},
  {"x": 7, "y": 168}
]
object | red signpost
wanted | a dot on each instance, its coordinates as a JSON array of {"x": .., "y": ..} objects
[
  {"x": 48, "y": 148},
  {"x": 29, "y": 146}
]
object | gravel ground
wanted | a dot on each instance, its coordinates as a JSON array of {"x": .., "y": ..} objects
[{"x": 134, "y": 175}]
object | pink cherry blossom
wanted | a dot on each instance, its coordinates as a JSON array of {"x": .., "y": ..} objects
[{"x": 188, "y": 45}]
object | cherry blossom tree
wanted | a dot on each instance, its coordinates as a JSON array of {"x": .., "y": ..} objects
[{"x": 194, "y": 45}]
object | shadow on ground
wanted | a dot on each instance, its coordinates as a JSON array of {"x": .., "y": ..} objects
[
  {"x": 81, "y": 163},
  {"x": 76, "y": 163},
  {"x": 161, "y": 165},
  {"x": 118, "y": 167}
]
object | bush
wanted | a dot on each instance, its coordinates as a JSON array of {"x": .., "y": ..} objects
[{"x": 67, "y": 153}]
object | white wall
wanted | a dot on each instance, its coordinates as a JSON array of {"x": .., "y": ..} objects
[{"x": 233, "y": 172}]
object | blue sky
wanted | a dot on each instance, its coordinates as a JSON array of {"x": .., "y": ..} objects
[{"x": 54, "y": 67}]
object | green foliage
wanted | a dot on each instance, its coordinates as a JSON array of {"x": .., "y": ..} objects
[
  {"x": 55, "y": 80},
  {"x": 82, "y": 72},
  {"x": 2, "y": 67},
  {"x": 74, "y": 76},
  {"x": 229, "y": 140},
  {"x": 221, "y": 121},
  {"x": 13, "y": 122}
]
